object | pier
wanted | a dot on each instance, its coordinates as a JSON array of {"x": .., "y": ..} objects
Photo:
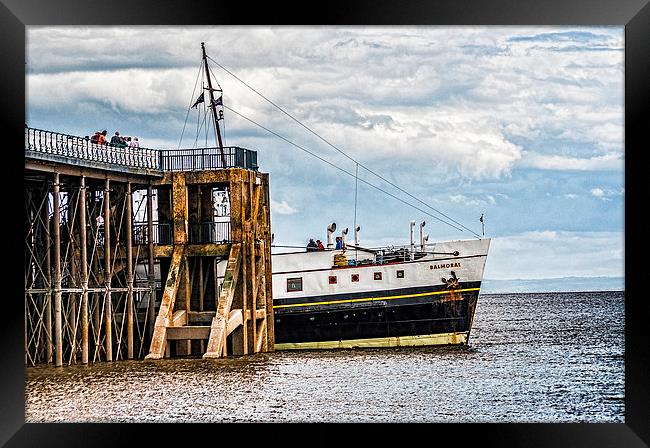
[{"x": 137, "y": 253}]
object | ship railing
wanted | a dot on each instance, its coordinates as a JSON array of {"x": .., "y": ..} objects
[
  {"x": 209, "y": 232},
  {"x": 386, "y": 254}
]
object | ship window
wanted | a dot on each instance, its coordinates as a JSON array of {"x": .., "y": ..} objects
[
  {"x": 294, "y": 284},
  {"x": 355, "y": 277},
  {"x": 332, "y": 280},
  {"x": 377, "y": 276},
  {"x": 400, "y": 274}
]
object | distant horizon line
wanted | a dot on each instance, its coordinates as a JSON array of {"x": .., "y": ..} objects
[{"x": 613, "y": 277}]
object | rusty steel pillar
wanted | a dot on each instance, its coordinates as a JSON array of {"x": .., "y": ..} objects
[
  {"x": 45, "y": 217},
  {"x": 129, "y": 273},
  {"x": 84, "y": 271},
  {"x": 58, "y": 336},
  {"x": 107, "y": 272},
  {"x": 151, "y": 279}
]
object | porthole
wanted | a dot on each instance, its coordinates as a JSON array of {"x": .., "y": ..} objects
[{"x": 377, "y": 276}]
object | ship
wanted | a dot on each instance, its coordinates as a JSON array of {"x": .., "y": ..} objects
[
  {"x": 349, "y": 296},
  {"x": 394, "y": 296}
]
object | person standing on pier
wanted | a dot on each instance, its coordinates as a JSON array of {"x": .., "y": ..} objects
[
  {"x": 134, "y": 143},
  {"x": 102, "y": 138}
]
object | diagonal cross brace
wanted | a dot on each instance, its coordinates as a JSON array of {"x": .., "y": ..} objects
[
  {"x": 218, "y": 331},
  {"x": 165, "y": 314}
]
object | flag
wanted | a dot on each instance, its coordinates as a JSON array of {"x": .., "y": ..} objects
[
  {"x": 481, "y": 219},
  {"x": 218, "y": 101},
  {"x": 198, "y": 100}
]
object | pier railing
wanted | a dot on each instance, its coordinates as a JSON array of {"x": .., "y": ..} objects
[
  {"x": 162, "y": 233},
  {"x": 82, "y": 149},
  {"x": 208, "y": 159}
]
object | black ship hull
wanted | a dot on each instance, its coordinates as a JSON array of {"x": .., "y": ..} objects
[{"x": 432, "y": 315}]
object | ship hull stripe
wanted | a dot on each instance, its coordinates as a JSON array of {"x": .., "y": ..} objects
[
  {"x": 402, "y": 293},
  {"x": 453, "y": 338}
]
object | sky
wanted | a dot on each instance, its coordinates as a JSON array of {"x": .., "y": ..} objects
[{"x": 524, "y": 125}]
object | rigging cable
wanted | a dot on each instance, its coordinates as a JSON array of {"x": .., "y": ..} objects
[
  {"x": 189, "y": 107},
  {"x": 341, "y": 151},
  {"x": 339, "y": 168}
]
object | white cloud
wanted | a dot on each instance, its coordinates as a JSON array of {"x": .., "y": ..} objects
[
  {"x": 599, "y": 193},
  {"x": 447, "y": 97},
  {"x": 562, "y": 163},
  {"x": 606, "y": 194},
  {"x": 283, "y": 208},
  {"x": 472, "y": 201}
]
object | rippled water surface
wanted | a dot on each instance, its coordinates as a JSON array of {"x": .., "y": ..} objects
[{"x": 551, "y": 357}]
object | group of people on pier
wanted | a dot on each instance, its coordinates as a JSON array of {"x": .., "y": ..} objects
[{"x": 117, "y": 140}]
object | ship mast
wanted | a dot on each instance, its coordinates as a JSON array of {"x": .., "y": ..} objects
[{"x": 213, "y": 105}]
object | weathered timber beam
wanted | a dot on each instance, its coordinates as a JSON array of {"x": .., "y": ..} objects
[
  {"x": 259, "y": 314},
  {"x": 200, "y": 317},
  {"x": 159, "y": 339},
  {"x": 218, "y": 333},
  {"x": 208, "y": 250},
  {"x": 179, "y": 208},
  {"x": 179, "y": 318},
  {"x": 187, "y": 333},
  {"x": 234, "y": 320},
  {"x": 261, "y": 336},
  {"x": 163, "y": 251}
]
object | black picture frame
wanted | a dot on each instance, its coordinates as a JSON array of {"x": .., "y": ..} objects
[{"x": 633, "y": 14}]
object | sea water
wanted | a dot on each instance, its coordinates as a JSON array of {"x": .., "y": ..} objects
[{"x": 542, "y": 357}]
